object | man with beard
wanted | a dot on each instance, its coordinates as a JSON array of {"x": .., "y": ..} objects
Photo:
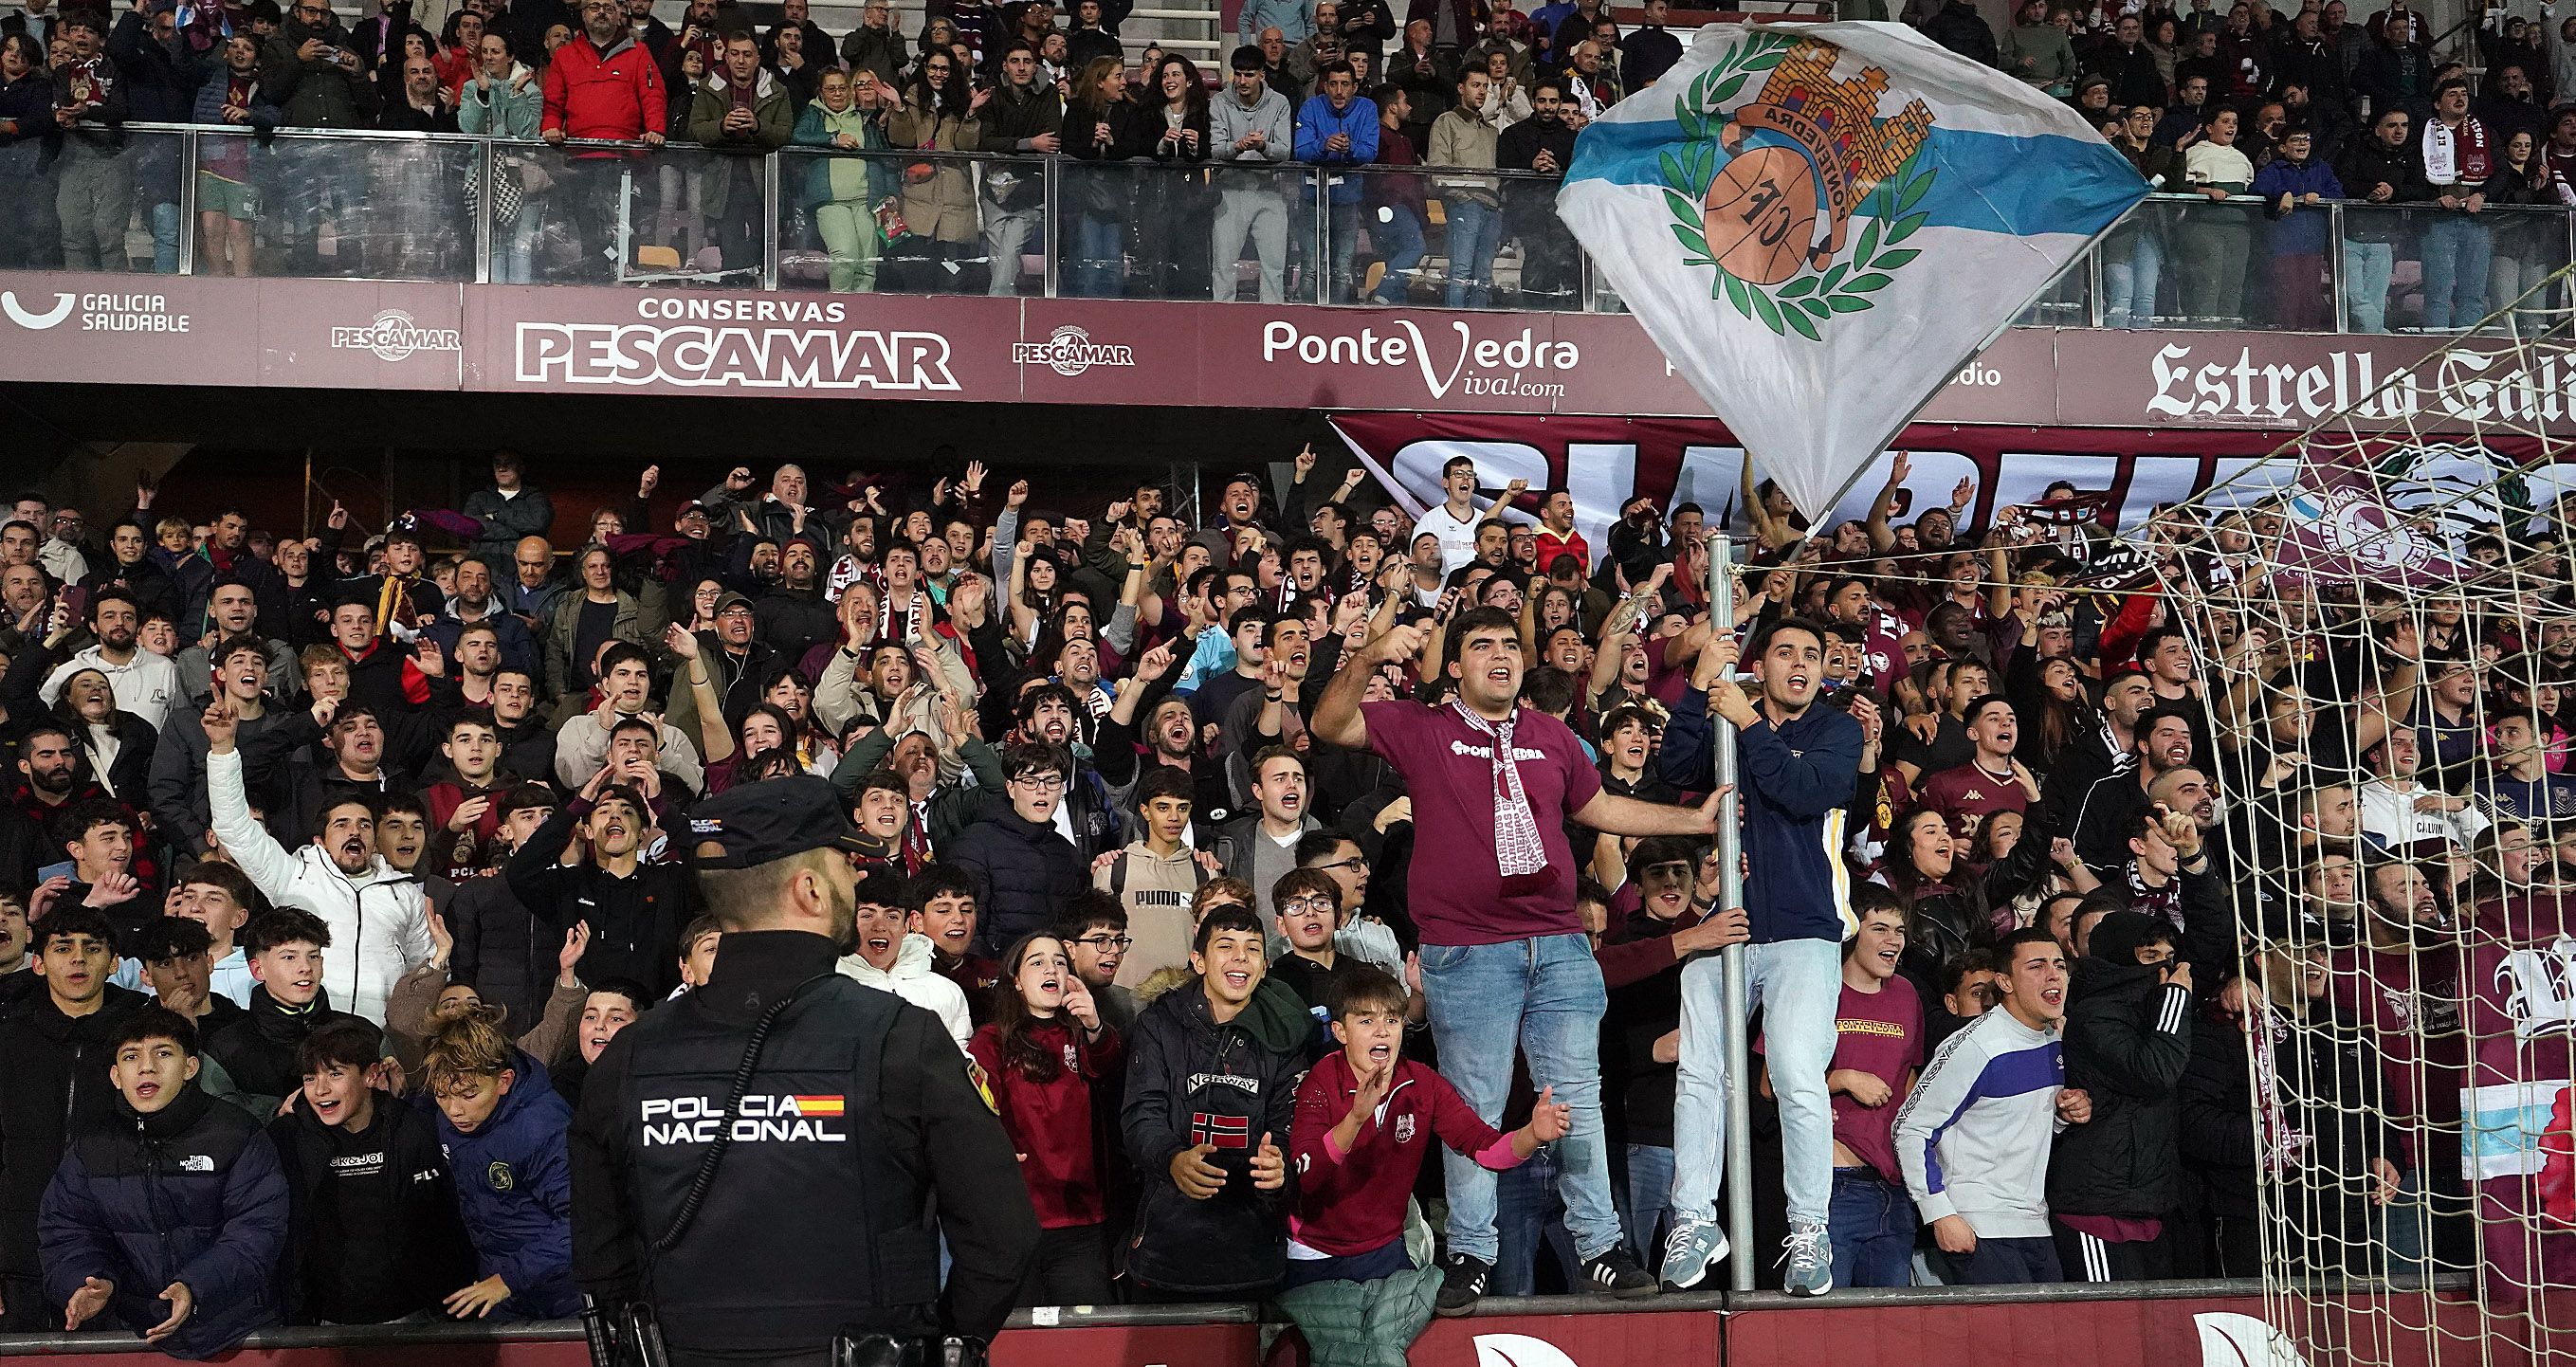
[
  {"x": 380, "y": 918},
  {"x": 791, "y": 1221},
  {"x": 1543, "y": 142},
  {"x": 2102, "y": 814},
  {"x": 232, "y": 611},
  {"x": 1170, "y": 737},
  {"x": 635, "y": 910},
  {"x": 603, "y": 84},
  {"x": 54, "y": 776},
  {"x": 793, "y": 616},
  {"x": 1048, "y": 714},
  {"x": 145, "y": 684},
  {"x": 474, "y": 603}
]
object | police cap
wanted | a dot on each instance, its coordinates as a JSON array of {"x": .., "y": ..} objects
[{"x": 773, "y": 819}]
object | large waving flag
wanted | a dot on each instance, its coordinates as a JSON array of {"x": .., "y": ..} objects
[{"x": 1820, "y": 223}]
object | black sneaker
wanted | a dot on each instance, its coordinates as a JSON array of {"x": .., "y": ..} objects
[
  {"x": 1616, "y": 1274},
  {"x": 1462, "y": 1285}
]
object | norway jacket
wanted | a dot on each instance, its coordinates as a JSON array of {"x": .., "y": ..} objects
[
  {"x": 635, "y": 921},
  {"x": 2128, "y": 1038},
  {"x": 257, "y": 1049},
  {"x": 613, "y": 95},
  {"x": 375, "y": 1234},
  {"x": 772, "y": 119},
  {"x": 914, "y": 979},
  {"x": 514, "y": 1190},
  {"x": 318, "y": 93},
  {"x": 1024, "y": 874},
  {"x": 191, "y": 1193},
  {"x": 53, "y": 1086},
  {"x": 1191, "y": 1081},
  {"x": 379, "y": 919}
]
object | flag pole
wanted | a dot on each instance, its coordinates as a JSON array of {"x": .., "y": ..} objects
[{"x": 1730, "y": 864}]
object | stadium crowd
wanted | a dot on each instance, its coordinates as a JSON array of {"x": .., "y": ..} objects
[
  {"x": 1245, "y": 858},
  {"x": 1172, "y": 182}
]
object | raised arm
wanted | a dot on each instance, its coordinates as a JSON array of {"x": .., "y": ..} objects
[
  {"x": 254, "y": 851},
  {"x": 1337, "y": 714}
]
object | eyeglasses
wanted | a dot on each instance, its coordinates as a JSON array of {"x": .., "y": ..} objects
[
  {"x": 1105, "y": 941},
  {"x": 1354, "y": 862},
  {"x": 1044, "y": 783},
  {"x": 1306, "y": 904}
]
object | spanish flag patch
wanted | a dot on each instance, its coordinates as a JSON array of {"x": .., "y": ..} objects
[
  {"x": 814, "y": 1106},
  {"x": 983, "y": 1085}
]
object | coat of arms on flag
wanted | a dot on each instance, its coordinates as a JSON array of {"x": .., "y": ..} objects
[{"x": 1801, "y": 158}]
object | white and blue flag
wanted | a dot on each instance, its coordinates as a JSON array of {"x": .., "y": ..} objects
[{"x": 1820, "y": 223}]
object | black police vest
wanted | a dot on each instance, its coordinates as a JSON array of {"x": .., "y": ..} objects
[{"x": 813, "y": 1224}]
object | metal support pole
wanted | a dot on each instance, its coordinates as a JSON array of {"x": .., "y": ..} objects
[
  {"x": 188, "y": 203},
  {"x": 1052, "y": 182},
  {"x": 1730, "y": 864},
  {"x": 486, "y": 166},
  {"x": 769, "y": 168},
  {"x": 2342, "y": 254}
]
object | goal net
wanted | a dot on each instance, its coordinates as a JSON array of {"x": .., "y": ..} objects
[{"x": 2382, "y": 624}]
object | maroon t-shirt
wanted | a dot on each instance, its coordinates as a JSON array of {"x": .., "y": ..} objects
[
  {"x": 1459, "y": 895},
  {"x": 1879, "y": 1033},
  {"x": 1966, "y": 795}
]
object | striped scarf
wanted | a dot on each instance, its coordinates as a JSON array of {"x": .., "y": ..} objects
[{"x": 1517, "y": 848}]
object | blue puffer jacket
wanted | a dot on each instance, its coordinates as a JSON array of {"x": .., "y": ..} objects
[
  {"x": 192, "y": 1193},
  {"x": 514, "y": 1188}
]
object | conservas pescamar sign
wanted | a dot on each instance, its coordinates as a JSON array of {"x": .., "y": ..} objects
[{"x": 734, "y": 344}]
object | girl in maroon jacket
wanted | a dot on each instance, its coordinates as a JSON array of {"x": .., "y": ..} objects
[{"x": 1042, "y": 1054}]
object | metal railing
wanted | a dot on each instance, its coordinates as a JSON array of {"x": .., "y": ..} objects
[{"x": 449, "y": 207}]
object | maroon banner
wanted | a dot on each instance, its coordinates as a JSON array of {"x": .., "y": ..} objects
[
  {"x": 1605, "y": 462},
  {"x": 60, "y": 327}
]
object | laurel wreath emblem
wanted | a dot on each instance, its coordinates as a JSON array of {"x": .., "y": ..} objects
[{"x": 1800, "y": 304}]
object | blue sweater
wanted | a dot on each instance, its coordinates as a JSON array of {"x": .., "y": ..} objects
[
  {"x": 2303, "y": 231},
  {"x": 514, "y": 1189},
  {"x": 1793, "y": 783}
]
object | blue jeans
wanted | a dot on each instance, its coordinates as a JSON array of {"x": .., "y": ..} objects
[
  {"x": 1475, "y": 234},
  {"x": 1397, "y": 235},
  {"x": 1529, "y": 1212},
  {"x": 1873, "y": 1230},
  {"x": 1545, "y": 996},
  {"x": 1342, "y": 233},
  {"x": 165, "y": 238},
  {"x": 2366, "y": 267},
  {"x": 1099, "y": 256},
  {"x": 2457, "y": 251},
  {"x": 2129, "y": 288},
  {"x": 1803, "y": 980},
  {"x": 1650, "y": 1189}
]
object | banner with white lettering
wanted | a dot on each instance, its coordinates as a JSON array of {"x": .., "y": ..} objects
[{"x": 2124, "y": 473}]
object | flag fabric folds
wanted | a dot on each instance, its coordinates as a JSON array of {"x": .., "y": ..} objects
[{"x": 1820, "y": 223}]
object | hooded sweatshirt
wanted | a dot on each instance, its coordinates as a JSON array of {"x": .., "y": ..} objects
[{"x": 915, "y": 979}]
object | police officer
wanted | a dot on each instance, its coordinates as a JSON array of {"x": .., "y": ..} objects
[{"x": 769, "y": 1162}]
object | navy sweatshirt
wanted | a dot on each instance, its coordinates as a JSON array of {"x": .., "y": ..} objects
[{"x": 1792, "y": 782}]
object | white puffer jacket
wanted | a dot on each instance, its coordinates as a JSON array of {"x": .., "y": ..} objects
[
  {"x": 379, "y": 919},
  {"x": 913, "y": 979}
]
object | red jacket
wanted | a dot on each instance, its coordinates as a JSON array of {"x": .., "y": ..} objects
[
  {"x": 1353, "y": 1203},
  {"x": 617, "y": 94},
  {"x": 1050, "y": 1122}
]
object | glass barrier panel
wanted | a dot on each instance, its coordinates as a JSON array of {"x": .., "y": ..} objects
[
  {"x": 2401, "y": 268},
  {"x": 2530, "y": 245},
  {"x": 102, "y": 202},
  {"x": 877, "y": 221},
  {"x": 1144, "y": 229},
  {"x": 600, "y": 214},
  {"x": 339, "y": 207},
  {"x": 2066, "y": 303}
]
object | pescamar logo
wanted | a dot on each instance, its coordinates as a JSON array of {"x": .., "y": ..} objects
[
  {"x": 1069, "y": 351},
  {"x": 393, "y": 336},
  {"x": 1282, "y": 340},
  {"x": 702, "y": 356}
]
